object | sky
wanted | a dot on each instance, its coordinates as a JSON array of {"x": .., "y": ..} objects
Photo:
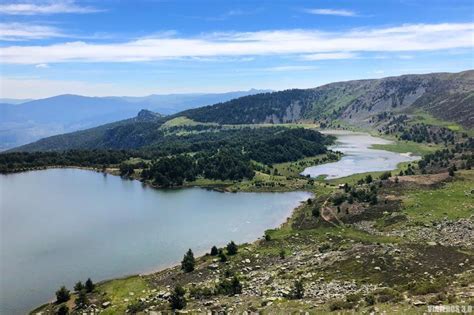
[{"x": 141, "y": 47}]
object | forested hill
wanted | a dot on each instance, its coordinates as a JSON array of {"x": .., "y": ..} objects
[
  {"x": 447, "y": 96},
  {"x": 362, "y": 103}
]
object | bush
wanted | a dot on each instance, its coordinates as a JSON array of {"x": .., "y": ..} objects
[
  {"x": 282, "y": 254},
  {"x": 81, "y": 300},
  {"x": 353, "y": 298},
  {"x": 78, "y": 286},
  {"x": 315, "y": 211},
  {"x": 268, "y": 237},
  {"x": 62, "y": 310},
  {"x": 338, "y": 199},
  {"x": 232, "y": 248},
  {"x": 340, "y": 305},
  {"x": 451, "y": 171},
  {"x": 214, "y": 251},
  {"x": 370, "y": 299},
  {"x": 388, "y": 295},
  {"x": 229, "y": 287},
  {"x": 188, "y": 262},
  {"x": 201, "y": 293},
  {"x": 426, "y": 287},
  {"x": 136, "y": 307},
  {"x": 385, "y": 175},
  {"x": 62, "y": 295},
  {"x": 324, "y": 247},
  {"x": 178, "y": 301},
  {"x": 222, "y": 256},
  {"x": 297, "y": 292},
  {"x": 368, "y": 179}
]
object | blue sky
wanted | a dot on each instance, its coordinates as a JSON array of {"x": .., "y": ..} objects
[{"x": 140, "y": 47}]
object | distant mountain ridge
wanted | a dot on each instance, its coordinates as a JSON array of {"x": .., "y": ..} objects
[
  {"x": 32, "y": 120},
  {"x": 447, "y": 96}
]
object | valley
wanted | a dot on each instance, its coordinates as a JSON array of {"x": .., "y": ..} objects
[
  {"x": 398, "y": 253},
  {"x": 387, "y": 225}
]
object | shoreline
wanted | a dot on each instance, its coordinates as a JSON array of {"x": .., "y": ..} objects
[
  {"x": 223, "y": 188},
  {"x": 198, "y": 255}
]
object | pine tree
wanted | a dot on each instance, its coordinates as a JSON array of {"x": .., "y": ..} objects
[
  {"x": 78, "y": 286},
  {"x": 214, "y": 251},
  {"x": 222, "y": 256},
  {"x": 232, "y": 248},
  {"x": 298, "y": 290},
  {"x": 81, "y": 300},
  {"x": 62, "y": 295},
  {"x": 188, "y": 261},
  {"x": 62, "y": 310},
  {"x": 90, "y": 286}
]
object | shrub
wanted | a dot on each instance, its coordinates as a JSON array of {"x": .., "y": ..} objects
[
  {"x": 78, "y": 286},
  {"x": 178, "y": 300},
  {"x": 338, "y": 199},
  {"x": 426, "y": 287},
  {"x": 62, "y": 310},
  {"x": 62, "y": 295},
  {"x": 315, "y": 211},
  {"x": 368, "y": 179},
  {"x": 297, "y": 292},
  {"x": 282, "y": 254},
  {"x": 324, "y": 247},
  {"x": 222, "y": 256},
  {"x": 385, "y": 175},
  {"x": 232, "y": 248},
  {"x": 81, "y": 300},
  {"x": 136, "y": 307},
  {"x": 369, "y": 299},
  {"x": 201, "y": 293},
  {"x": 229, "y": 287},
  {"x": 388, "y": 295},
  {"x": 340, "y": 305},
  {"x": 268, "y": 237},
  {"x": 353, "y": 298},
  {"x": 214, "y": 251}
]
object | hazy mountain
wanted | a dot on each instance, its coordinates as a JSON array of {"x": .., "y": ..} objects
[
  {"x": 14, "y": 101},
  {"x": 32, "y": 120},
  {"x": 444, "y": 95}
]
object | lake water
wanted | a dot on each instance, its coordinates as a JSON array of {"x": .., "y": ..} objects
[
  {"x": 60, "y": 226},
  {"x": 358, "y": 156}
]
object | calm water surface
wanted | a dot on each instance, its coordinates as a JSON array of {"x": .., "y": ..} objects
[
  {"x": 358, "y": 156},
  {"x": 59, "y": 226}
]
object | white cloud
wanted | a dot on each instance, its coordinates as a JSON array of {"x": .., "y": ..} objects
[
  {"x": 336, "y": 12},
  {"x": 404, "y": 38},
  {"x": 32, "y": 8},
  {"x": 330, "y": 56},
  {"x": 22, "y": 31},
  {"x": 42, "y": 66}
]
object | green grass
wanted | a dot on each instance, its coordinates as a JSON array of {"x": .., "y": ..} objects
[
  {"x": 428, "y": 119},
  {"x": 353, "y": 179},
  {"x": 296, "y": 167},
  {"x": 183, "y": 121},
  {"x": 407, "y": 146},
  {"x": 453, "y": 201},
  {"x": 118, "y": 290}
]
